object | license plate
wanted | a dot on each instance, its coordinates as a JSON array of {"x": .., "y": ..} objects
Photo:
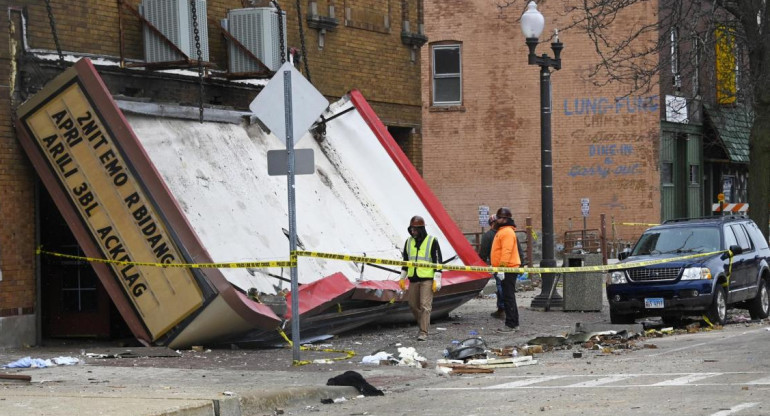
[{"x": 653, "y": 303}]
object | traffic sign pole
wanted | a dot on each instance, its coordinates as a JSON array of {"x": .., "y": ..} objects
[
  {"x": 310, "y": 103},
  {"x": 292, "y": 216}
]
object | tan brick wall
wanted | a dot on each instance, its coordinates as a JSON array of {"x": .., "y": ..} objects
[
  {"x": 359, "y": 55},
  {"x": 17, "y": 208},
  {"x": 494, "y": 142},
  {"x": 373, "y": 61}
]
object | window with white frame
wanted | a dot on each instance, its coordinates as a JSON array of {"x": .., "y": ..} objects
[
  {"x": 675, "y": 57},
  {"x": 447, "y": 75},
  {"x": 697, "y": 47}
]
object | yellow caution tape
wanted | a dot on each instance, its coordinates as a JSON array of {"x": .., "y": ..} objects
[
  {"x": 348, "y": 353},
  {"x": 729, "y": 269},
  {"x": 237, "y": 265},
  {"x": 363, "y": 259},
  {"x": 486, "y": 269},
  {"x": 635, "y": 223}
]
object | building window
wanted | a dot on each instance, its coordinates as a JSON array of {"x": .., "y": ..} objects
[
  {"x": 667, "y": 173},
  {"x": 447, "y": 75},
  {"x": 694, "y": 175},
  {"x": 675, "y": 57},
  {"x": 697, "y": 47}
]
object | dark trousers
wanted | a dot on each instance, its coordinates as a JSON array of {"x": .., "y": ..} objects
[
  {"x": 499, "y": 285},
  {"x": 509, "y": 300}
]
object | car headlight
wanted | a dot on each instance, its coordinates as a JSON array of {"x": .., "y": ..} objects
[
  {"x": 696, "y": 273},
  {"x": 618, "y": 277}
]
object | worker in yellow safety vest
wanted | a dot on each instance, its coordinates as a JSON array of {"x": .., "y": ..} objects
[{"x": 423, "y": 281}]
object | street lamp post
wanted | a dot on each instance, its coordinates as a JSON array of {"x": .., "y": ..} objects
[{"x": 532, "y": 24}]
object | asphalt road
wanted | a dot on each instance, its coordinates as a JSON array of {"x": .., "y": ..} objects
[
  {"x": 719, "y": 372},
  {"x": 716, "y": 372},
  {"x": 724, "y": 372}
]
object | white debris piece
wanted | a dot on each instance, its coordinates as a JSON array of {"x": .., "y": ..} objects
[
  {"x": 409, "y": 357},
  {"x": 377, "y": 358}
]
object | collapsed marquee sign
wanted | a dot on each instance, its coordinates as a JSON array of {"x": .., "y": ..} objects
[{"x": 119, "y": 208}]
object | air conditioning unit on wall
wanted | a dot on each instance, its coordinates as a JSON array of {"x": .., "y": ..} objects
[
  {"x": 257, "y": 29},
  {"x": 174, "y": 19}
]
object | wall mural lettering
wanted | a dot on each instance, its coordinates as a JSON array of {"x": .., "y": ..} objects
[
  {"x": 603, "y": 158},
  {"x": 604, "y": 105}
]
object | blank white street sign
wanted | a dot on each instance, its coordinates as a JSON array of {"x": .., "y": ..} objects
[{"x": 307, "y": 104}]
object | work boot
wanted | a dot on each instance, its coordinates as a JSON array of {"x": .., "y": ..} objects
[
  {"x": 508, "y": 329},
  {"x": 499, "y": 314}
]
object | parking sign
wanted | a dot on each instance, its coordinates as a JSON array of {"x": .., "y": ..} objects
[{"x": 483, "y": 215}]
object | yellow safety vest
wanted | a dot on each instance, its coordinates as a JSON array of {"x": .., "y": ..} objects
[{"x": 422, "y": 255}]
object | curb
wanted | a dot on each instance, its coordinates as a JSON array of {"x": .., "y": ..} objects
[{"x": 260, "y": 401}]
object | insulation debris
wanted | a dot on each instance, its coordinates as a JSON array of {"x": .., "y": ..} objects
[{"x": 484, "y": 365}]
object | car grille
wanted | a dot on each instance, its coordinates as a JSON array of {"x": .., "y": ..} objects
[{"x": 653, "y": 275}]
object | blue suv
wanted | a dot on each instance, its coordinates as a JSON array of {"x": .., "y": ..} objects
[{"x": 702, "y": 285}]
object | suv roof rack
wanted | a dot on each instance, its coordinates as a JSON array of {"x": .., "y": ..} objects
[{"x": 712, "y": 217}]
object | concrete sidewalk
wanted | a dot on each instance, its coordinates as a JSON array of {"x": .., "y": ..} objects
[
  {"x": 248, "y": 382},
  {"x": 87, "y": 390}
]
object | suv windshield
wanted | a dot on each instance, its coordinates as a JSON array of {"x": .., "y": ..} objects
[{"x": 678, "y": 240}]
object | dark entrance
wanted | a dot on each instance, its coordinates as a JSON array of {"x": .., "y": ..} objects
[{"x": 74, "y": 302}]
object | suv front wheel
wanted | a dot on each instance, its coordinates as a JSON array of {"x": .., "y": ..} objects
[{"x": 718, "y": 309}]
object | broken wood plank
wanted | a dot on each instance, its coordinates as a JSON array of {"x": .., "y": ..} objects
[
  {"x": 15, "y": 377},
  {"x": 467, "y": 369}
]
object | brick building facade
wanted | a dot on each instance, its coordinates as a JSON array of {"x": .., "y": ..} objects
[
  {"x": 369, "y": 45},
  {"x": 605, "y": 143}
]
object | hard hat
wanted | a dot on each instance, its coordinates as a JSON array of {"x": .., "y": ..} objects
[
  {"x": 417, "y": 221},
  {"x": 504, "y": 212}
]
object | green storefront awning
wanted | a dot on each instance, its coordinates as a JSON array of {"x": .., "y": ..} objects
[{"x": 732, "y": 126}]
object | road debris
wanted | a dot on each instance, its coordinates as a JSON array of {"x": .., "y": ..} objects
[
  {"x": 14, "y": 378},
  {"x": 407, "y": 356},
  {"x": 29, "y": 362},
  {"x": 355, "y": 379},
  {"x": 481, "y": 365}
]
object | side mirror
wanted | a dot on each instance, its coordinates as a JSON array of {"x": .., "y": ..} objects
[
  {"x": 623, "y": 255},
  {"x": 735, "y": 249}
]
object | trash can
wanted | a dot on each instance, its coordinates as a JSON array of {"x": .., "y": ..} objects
[{"x": 582, "y": 291}]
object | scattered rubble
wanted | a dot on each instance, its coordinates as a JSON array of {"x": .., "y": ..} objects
[{"x": 405, "y": 356}]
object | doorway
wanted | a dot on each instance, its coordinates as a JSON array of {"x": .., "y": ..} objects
[{"x": 74, "y": 301}]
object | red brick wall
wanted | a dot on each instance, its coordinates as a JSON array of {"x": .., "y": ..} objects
[{"x": 493, "y": 141}]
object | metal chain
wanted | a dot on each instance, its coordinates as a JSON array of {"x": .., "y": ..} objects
[
  {"x": 200, "y": 59},
  {"x": 280, "y": 31},
  {"x": 302, "y": 40},
  {"x": 53, "y": 31}
]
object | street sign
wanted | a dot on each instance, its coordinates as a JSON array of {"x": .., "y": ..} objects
[
  {"x": 278, "y": 162},
  {"x": 584, "y": 206},
  {"x": 483, "y": 216},
  {"x": 307, "y": 104}
]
